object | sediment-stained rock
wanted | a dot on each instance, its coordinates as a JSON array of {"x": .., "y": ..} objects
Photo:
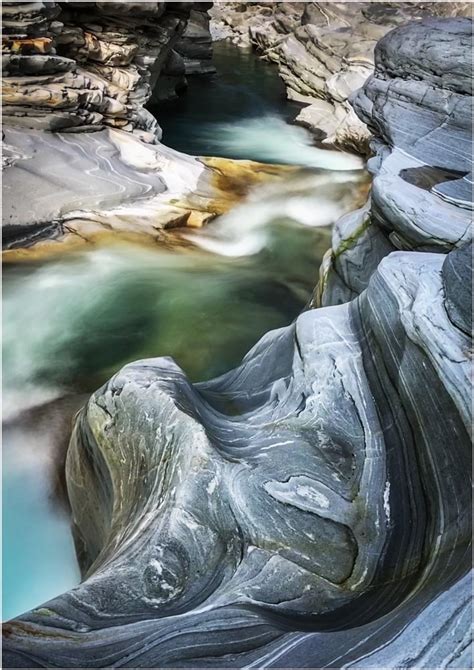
[
  {"x": 77, "y": 136},
  {"x": 82, "y": 66},
  {"x": 84, "y": 186},
  {"x": 324, "y": 52},
  {"x": 87, "y": 65}
]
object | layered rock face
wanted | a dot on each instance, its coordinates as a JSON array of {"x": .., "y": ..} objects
[
  {"x": 312, "y": 507},
  {"x": 418, "y": 103},
  {"x": 78, "y": 65},
  {"x": 76, "y": 135},
  {"x": 324, "y": 52},
  {"x": 196, "y": 43}
]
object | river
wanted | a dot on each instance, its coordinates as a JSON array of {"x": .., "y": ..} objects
[{"x": 69, "y": 324}]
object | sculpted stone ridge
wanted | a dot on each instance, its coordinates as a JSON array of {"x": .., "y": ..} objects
[
  {"x": 324, "y": 52},
  {"x": 83, "y": 186},
  {"x": 421, "y": 195},
  {"x": 303, "y": 491},
  {"x": 310, "y": 508}
]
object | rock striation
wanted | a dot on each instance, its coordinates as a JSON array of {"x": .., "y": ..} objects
[
  {"x": 77, "y": 137},
  {"x": 75, "y": 65},
  {"x": 324, "y": 52},
  {"x": 420, "y": 112},
  {"x": 195, "y": 45},
  {"x": 219, "y": 524},
  {"x": 85, "y": 187},
  {"x": 312, "y": 507}
]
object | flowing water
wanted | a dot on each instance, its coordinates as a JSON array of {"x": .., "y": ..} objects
[
  {"x": 69, "y": 324},
  {"x": 243, "y": 113}
]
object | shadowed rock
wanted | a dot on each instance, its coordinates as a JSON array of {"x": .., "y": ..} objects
[
  {"x": 325, "y": 52},
  {"x": 310, "y": 508}
]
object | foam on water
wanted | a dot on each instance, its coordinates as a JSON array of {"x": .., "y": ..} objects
[
  {"x": 270, "y": 139},
  {"x": 68, "y": 325},
  {"x": 314, "y": 199}
]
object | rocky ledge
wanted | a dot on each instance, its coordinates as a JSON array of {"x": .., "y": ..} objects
[
  {"x": 72, "y": 66},
  {"x": 312, "y": 507},
  {"x": 85, "y": 187},
  {"x": 77, "y": 137},
  {"x": 418, "y": 103},
  {"x": 324, "y": 52}
]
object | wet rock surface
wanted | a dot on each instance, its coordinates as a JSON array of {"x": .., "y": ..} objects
[
  {"x": 311, "y": 507},
  {"x": 77, "y": 136},
  {"x": 195, "y": 45},
  {"x": 109, "y": 183},
  {"x": 297, "y": 492}
]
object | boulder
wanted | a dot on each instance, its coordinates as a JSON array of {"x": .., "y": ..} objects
[
  {"x": 297, "y": 508},
  {"x": 421, "y": 120}
]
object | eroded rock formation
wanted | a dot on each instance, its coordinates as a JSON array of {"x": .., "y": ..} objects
[
  {"x": 86, "y": 65},
  {"x": 84, "y": 186},
  {"x": 77, "y": 138},
  {"x": 324, "y": 52},
  {"x": 310, "y": 508},
  {"x": 196, "y": 43},
  {"x": 419, "y": 104}
]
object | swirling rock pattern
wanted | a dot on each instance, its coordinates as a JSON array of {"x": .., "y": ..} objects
[
  {"x": 324, "y": 52},
  {"x": 309, "y": 509},
  {"x": 310, "y": 489},
  {"x": 82, "y": 186}
]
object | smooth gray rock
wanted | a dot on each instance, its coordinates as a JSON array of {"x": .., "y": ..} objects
[
  {"x": 420, "y": 198},
  {"x": 83, "y": 184},
  {"x": 233, "y": 522},
  {"x": 457, "y": 280},
  {"x": 325, "y": 51},
  {"x": 424, "y": 110}
]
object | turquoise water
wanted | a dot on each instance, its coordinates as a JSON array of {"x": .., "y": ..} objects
[
  {"x": 80, "y": 319},
  {"x": 242, "y": 112},
  {"x": 69, "y": 324},
  {"x": 38, "y": 552},
  {"x": 243, "y": 88}
]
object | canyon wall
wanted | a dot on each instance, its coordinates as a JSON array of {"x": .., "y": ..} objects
[
  {"x": 84, "y": 66},
  {"x": 418, "y": 104},
  {"x": 324, "y": 52},
  {"x": 312, "y": 507}
]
